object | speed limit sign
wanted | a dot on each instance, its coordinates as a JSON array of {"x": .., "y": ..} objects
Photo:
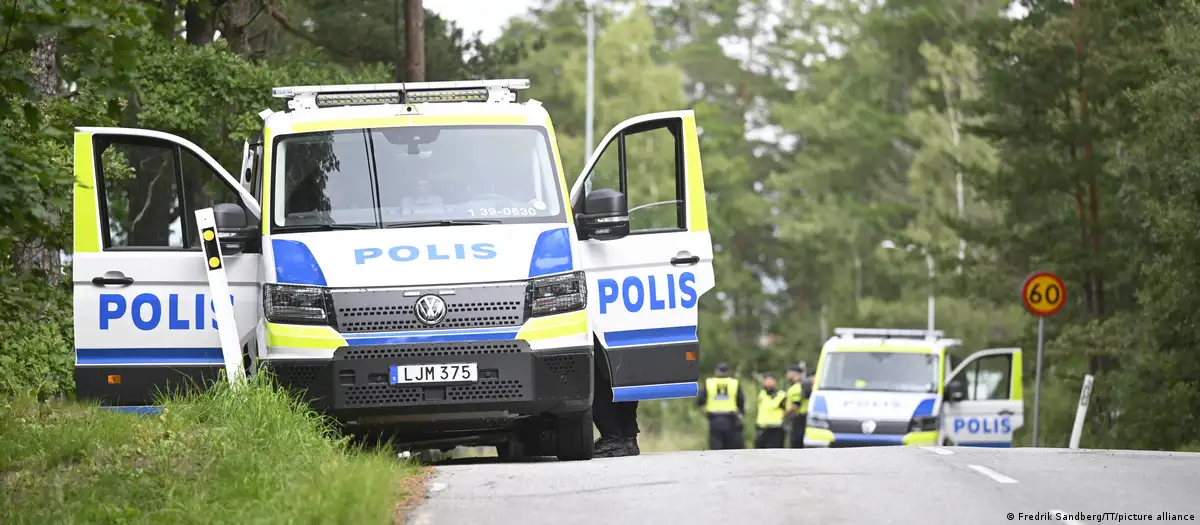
[{"x": 1044, "y": 294}]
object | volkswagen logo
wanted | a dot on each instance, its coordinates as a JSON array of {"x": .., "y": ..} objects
[
  {"x": 430, "y": 309},
  {"x": 868, "y": 426}
]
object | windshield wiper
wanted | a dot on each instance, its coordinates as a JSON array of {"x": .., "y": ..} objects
[
  {"x": 446, "y": 222},
  {"x": 300, "y": 228}
]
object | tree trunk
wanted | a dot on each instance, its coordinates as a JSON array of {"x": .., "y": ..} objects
[
  {"x": 37, "y": 254},
  {"x": 200, "y": 17},
  {"x": 165, "y": 20},
  {"x": 414, "y": 40}
]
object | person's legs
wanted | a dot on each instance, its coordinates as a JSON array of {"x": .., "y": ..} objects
[
  {"x": 604, "y": 414},
  {"x": 714, "y": 435},
  {"x": 798, "y": 426},
  {"x": 760, "y": 437},
  {"x": 775, "y": 437},
  {"x": 627, "y": 420},
  {"x": 737, "y": 436}
]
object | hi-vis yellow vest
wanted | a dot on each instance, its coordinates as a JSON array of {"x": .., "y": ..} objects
[
  {"x": 796, "y": 397},
  {"x": 721, "y": 395},
  {"x": 770, "y": 409}
]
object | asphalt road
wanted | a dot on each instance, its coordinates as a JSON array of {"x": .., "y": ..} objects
[{"x": 867, "y": 486}]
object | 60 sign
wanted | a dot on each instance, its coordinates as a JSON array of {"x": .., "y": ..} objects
[{"x": 1044, "y": 294}]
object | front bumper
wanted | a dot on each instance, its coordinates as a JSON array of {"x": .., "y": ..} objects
[
  {"x": 514, "y": 381},
  {"x": 824, "y": 438}
]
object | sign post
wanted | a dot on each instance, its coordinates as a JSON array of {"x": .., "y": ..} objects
[
  {"x": 218, "y": 283},
  {"x": 1043, "y": 294},
  {"x": 1085, "y": 396}
]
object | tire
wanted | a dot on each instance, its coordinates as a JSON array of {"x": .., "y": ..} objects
[
  {"x": 511, "y": 449},
  {"x": 573, "y": 437}
]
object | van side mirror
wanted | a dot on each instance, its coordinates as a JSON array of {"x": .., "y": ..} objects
[
  {"x": 956, "y": 390},
  {"x": 605, "y": 217},
  {"x": 234, "y": 228}
]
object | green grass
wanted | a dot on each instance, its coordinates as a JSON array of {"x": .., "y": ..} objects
[{"x": 253, "y": 456}]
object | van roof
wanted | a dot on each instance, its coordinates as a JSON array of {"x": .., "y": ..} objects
[
  {"x": 885, "y": 339},
  {"x": 485, "y": 102}
]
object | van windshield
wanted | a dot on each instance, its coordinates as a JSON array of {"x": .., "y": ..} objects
[
  {"x": 415, "y": 175},
  {"x": 880, "y": 371}
]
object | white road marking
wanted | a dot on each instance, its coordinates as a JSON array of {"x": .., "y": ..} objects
[
  {"x": 1064, "y": 520},
  {"x": 941, "y": 451},
  {"x": 996, "y": 476},
  {"x": 437, "y": 487}
]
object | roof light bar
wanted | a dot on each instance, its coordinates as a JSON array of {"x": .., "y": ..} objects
[
  {"x": 312, "y": 97},
  {"x": 851, "y": 333}
]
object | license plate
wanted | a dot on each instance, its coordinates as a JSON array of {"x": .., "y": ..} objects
[{"x": 449, "y": 373}]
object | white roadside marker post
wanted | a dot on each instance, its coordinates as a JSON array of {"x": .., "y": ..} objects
[
  {"x": 1085, "y": 396},
  {"x": 218, "y": 283}
]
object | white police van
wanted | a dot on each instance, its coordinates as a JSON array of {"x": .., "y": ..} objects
[
  {"x": 909, "y": 387},
  {"x": 408, "y": 255}
]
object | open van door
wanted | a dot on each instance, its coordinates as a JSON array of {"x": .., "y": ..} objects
[
  {"x": 984, "y": 403},
  {"x": 144, "y": 319},
  {"x": 647, "y": 253}
]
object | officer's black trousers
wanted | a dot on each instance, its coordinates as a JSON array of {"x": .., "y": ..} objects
[
  {"x": 612, "y": 419},
  {"x": 798, "y": 425},
  {"x": 769, "y": 437},
  {"x": 725, "y": 432}
]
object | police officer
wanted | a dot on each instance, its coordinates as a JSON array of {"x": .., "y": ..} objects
[
  {"x": 772, "y": 406},
  {"x": 722, "y": 400},
  {"x": 798, "y": 394}
]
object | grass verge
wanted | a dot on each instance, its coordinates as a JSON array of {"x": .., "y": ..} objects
[{"x": 238, "y": 457}]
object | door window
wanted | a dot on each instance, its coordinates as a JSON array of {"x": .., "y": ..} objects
[
  {"x": 141, "y": 194},
  {"x": 151, "y": 189},
  {"x": 645, "y": 163},
  {"x": 988, "y": 378}
]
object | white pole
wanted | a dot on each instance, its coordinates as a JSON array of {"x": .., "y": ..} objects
[
  {"x": 1037, "y": 392},
  {"x": 932, "y": 278},
  {"x": 1084, "y": 396},
  {"x": 591, "y": 80},
  {"x": 218, "y": 284}
]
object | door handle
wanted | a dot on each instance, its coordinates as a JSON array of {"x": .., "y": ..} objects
[
  {"x": 115, "y": 280},
  {"x": 685, "y": 261},
  {"x": 1006, "y": 412}
]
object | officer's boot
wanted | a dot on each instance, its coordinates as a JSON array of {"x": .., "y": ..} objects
[
  {"x": 606, "y": 446},
  {"x": 632, "y": 446}
]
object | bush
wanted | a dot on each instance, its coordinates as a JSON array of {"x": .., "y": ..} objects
[
  {"x": 250, "y": 456},
  {"x": 37, "y": 351}
]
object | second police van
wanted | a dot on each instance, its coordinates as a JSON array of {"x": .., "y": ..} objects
[
  {"x": 409, "y": 255},
  {"x": 912, "y": 387}
]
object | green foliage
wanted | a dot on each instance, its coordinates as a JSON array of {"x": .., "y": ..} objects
[
  {"x": 37, "y": 357},
  {"x": 250, "y": 456}
]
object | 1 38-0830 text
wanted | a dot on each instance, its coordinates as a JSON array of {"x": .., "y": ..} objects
[{"x": 519, "y": 211}]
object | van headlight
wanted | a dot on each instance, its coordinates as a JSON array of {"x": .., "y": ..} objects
[
  {"x": 818, "y": 421},
  {"x": 290, "y": 304},
  {"x": 924, "y": 423},
  {"x": 557, "y": 294}
]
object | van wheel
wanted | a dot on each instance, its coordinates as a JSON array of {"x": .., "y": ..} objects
[
  {"x": 511, "y": 449},
  {"x": 573, "y": 436}
]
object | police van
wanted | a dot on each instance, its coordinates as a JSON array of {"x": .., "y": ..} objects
[
  {"x": 912, "y": 387},
  {"x": 409, "y": 255}
]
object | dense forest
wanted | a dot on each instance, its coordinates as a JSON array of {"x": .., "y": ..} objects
[{"x": 998, "y": 138}]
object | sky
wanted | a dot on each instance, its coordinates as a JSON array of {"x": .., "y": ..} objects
[{"x": 488, "y": 16}]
